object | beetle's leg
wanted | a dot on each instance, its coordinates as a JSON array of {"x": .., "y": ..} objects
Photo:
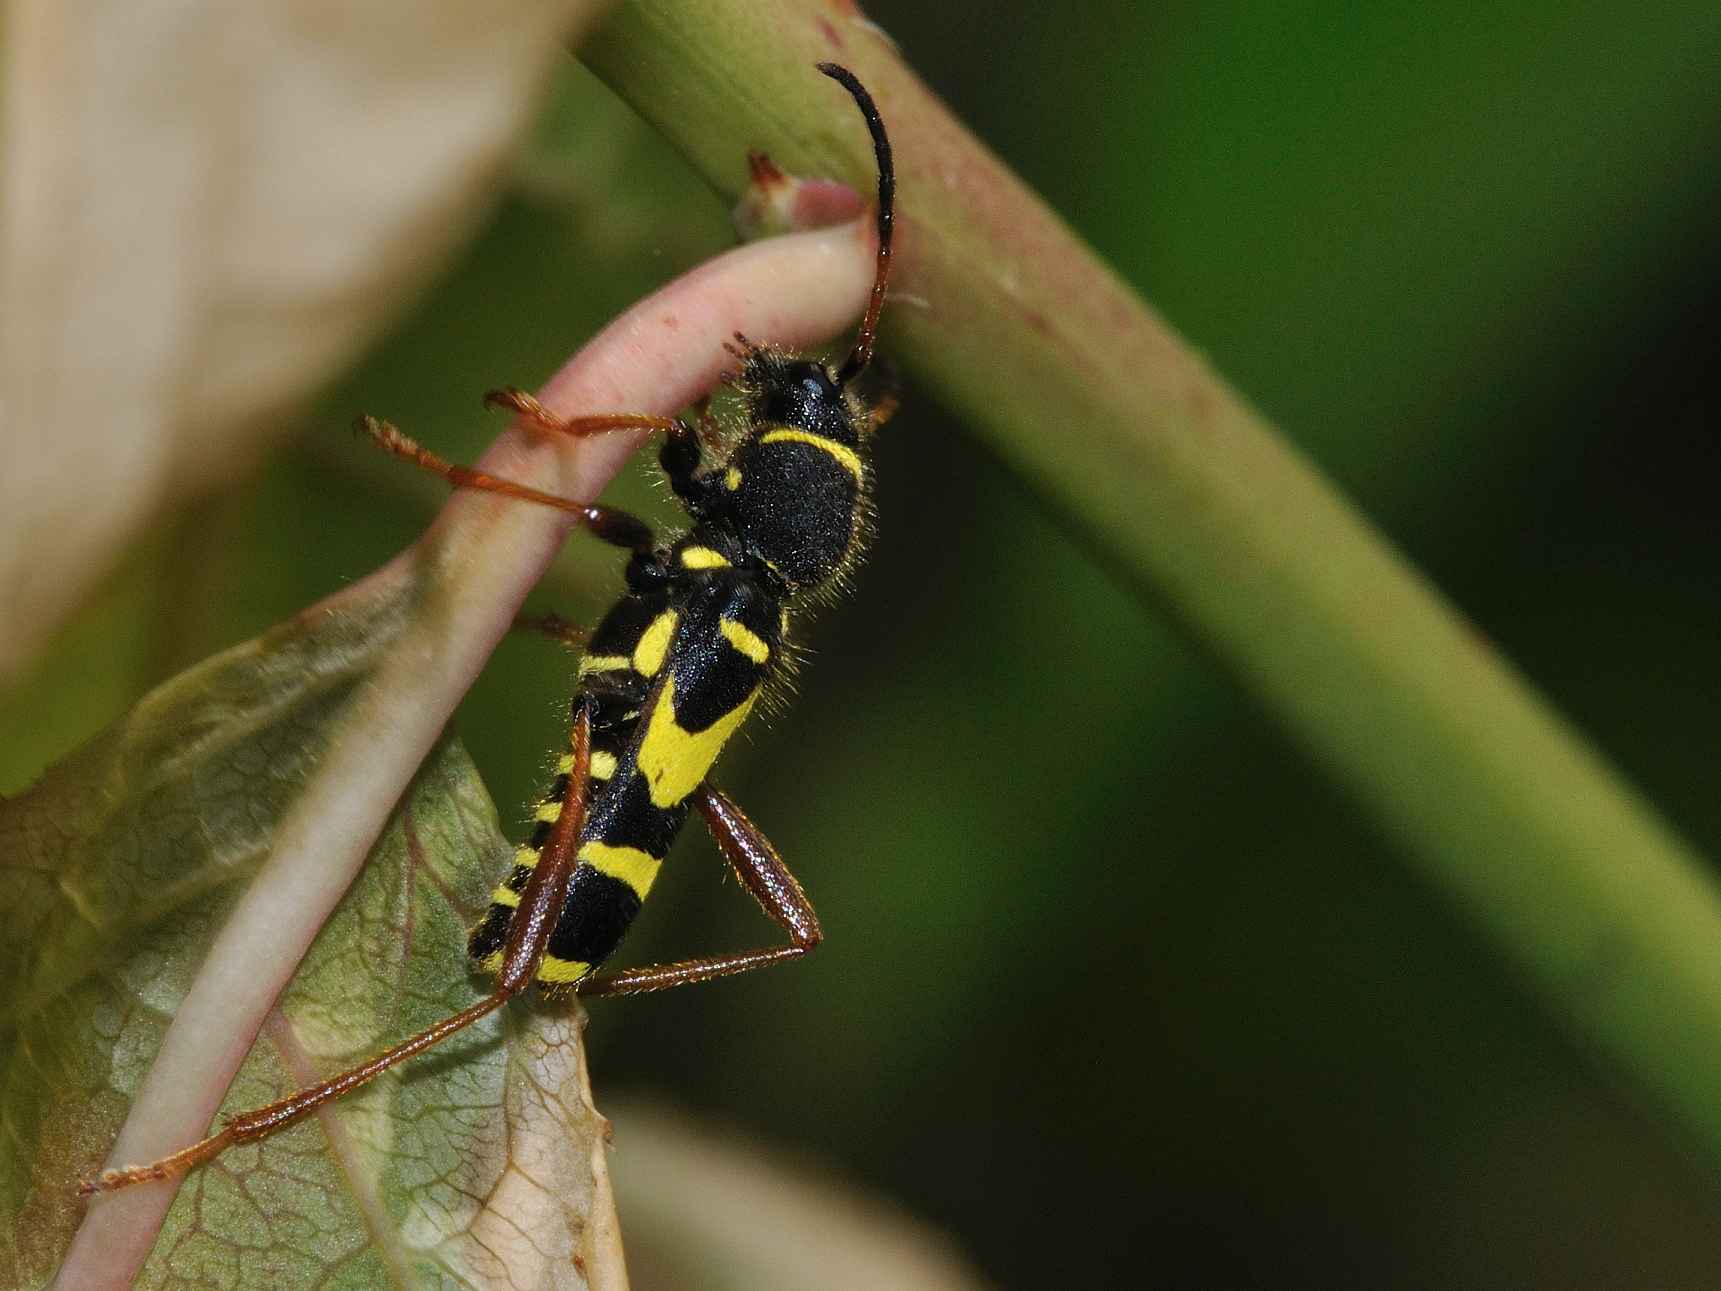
[
  {"x": 618, "y": 528},
  {"x": 528, "y": 933},
  {"x": 762, "y": 872},
  {"x": 560, "y": 630}
]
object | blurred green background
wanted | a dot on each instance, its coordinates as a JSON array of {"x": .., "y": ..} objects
[{"x": 1117, "y": 991}]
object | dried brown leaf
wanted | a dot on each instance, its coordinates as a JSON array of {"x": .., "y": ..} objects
[
  {"x": 482, "y": 1166},
  {"x": 207, "y": 209}
]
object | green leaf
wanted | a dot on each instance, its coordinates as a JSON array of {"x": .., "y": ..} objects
[{"x": 478, "y": 1163}]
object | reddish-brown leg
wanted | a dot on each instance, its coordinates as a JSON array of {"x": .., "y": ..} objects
[
  {"x": 709, "y": 430},
  {"x": 883, "y": 411},
  {"x": 527, "y": 407},
  {"x": 563, "y": 631},
  {"x": 762, "y": 872},
  {"x": 606, "y": 523},
  {"x": 534, "y": 919}
]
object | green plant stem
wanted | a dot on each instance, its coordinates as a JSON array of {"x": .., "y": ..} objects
[{"x": 1185, "y": 488}]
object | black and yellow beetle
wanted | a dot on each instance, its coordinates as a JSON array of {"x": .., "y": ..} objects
[{"x": 667, "y": 677}]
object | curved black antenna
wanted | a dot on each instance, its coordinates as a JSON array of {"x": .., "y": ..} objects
[{"x": 862, "y": 354}]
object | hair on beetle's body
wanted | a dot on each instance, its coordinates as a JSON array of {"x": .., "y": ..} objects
[
  {"x": 701, "y": 634},
  {"x": 678, "y": 664}
]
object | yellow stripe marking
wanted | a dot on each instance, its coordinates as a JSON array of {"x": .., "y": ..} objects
[
  {"x": 604, "y": 663},
  {"x": 732, "y": 479},
  {"x": 560, "y": 971},
  {"x": 674, "y": 760},
  {"x": 603, "y": 765},
  {"x": 842, "y": 452},
  {"x": 745, "y": 640},
  {"x": 505, "y": 895},
  {"x": 526, "y": 856},
  {"x": 491, "y": 963},
  {"x": 653, "y": 647},
  {"x": 549, "y": 811},
  {"x": 564, "y": 764},
  {"x": 703, "y": 558},
  {"x": 632, "y": 866}
]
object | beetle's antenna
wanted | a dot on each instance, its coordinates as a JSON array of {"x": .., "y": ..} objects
[{"x": 862, "y": 354}]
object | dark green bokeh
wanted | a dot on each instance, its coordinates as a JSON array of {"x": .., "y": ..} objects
[{"x": 1117, "y": 989}]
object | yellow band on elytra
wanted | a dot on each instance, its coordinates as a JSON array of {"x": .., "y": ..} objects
[{"x": 842, "y": 452}]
